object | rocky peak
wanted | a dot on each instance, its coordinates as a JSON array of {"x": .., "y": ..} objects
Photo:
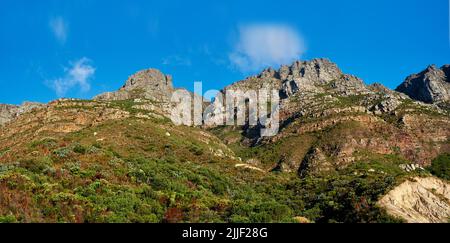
[
  {"x": 379, "y": 88},
  {"x": 430, "y": 86},
  {"x": 149, "y": 84},
  {"x": 316, "y": 70},
  {"x": 314, "y": 75},
  {"x": 268, "y": 73},
  {"x": 9, "y": 112},
  {"x": 149, "y": 79}
]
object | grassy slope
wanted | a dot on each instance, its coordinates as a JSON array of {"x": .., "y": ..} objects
[{"x": 146, "y": 170}]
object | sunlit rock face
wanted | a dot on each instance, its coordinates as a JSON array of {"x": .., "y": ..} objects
[
  {"x": 430, "y": 86},
  {"x": 149, "y": 84}
]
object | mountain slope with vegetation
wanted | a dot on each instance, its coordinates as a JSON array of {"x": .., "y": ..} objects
[{"x": 342, "y": 147}]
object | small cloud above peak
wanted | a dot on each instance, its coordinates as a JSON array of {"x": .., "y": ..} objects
[
  {"x": 79, "y": 74},
  {"x": 263, "y": 45},
  {"x": 176, "y": 60},
  {"x": 59, "y": 28}
]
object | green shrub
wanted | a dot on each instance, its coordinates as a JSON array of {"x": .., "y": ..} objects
[
  {"x": 45, "y": 142},
  {"x": 79, "y": 149},
  {"x": 4, "y": 151},
  {"x": 8, "y": 219},
  {"x": 196, "y": 150},
  {"x": 62, "y": 152},
  {"x": 440, "y": 166},
  {"x": 74, "y": 168}
]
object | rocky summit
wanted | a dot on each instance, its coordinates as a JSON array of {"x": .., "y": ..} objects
[
  {"x": 150, "y": 84},
  {"x": 345, "y": 152},
  {"x": 430, "y": 86}
]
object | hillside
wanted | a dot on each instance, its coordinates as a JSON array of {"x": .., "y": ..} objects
[{"x": 343, "y": 145}]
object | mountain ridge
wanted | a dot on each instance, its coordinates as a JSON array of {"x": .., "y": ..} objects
[
  {"x": 161, "y": 85},
  {"x": 119, "y": 158}
]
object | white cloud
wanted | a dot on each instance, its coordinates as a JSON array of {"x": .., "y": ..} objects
[
  {"x": 59, "y": 27},
  {"x": 176, "y": 60},
  {"x": 263, "y": 45},
  {"x": 79, "y": 74}
]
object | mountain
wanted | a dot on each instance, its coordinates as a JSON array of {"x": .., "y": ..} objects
[
  {"x": 151, "y": 84},
  {"x": 340, "y": 120},
  {"x": 9, "y": 112},
  {"x": 430, "y": 86},
  {"x": 345, "y": 152}
]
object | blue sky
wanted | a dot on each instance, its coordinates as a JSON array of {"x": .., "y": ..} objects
[{"x": 79, "y": 48}]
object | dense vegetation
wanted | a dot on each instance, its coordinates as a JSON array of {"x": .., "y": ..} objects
[
  {"x": 160, "y": 178},
  {"x": 440, "y": 166},
  {"x": 148, "y": 170}
]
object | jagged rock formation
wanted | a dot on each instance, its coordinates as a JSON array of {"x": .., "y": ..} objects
[
  {"x": 421, "y": 200},
  {"x": 9, "y": 112},
  {"x": 301, "y": 76},
  {"x": 352, "y": 118},
  {"x": 430, "y": 86},
  {"x": 151, "y": 84},
  {"x": 150, "y": 88}
]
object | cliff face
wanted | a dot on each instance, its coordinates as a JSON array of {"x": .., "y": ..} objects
[
  {"x": 345, "y": 120},
  {"x": 420, "y": 200},
  {"x": 300, "y": 76},
  {"x": 9, "y": 112},
  {"x": 430, "y": 86},
  {"x": 6, "y": 113},
  {"x": 149, "y": 84}
]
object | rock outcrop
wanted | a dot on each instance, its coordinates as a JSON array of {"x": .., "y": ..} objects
[
  {"x": 151, "y": 88},
  {"x": 317, "y": 97},
  {"x": 421, "y": 200},
  {"x": 9, "y": 112},
  {"x": 430, "y": 86},
  {"x": 6, "y": 113},
  {"x": 150, "y": 84},
  {"x": 301, "y": 76}
]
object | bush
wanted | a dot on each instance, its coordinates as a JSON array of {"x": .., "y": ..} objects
[
  {"x": 196, "y": 150},
  {"x": 79, "y": 149},
  {"x": 440, "y": 166},
  {"x": 45, "y": 142},
  {"x": 8, "y": 219},
  {"x": 62, "y": 152}
]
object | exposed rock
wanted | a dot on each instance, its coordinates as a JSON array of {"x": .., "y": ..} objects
[
  {"x": 302, "y": 220},
  {"x": 298, "y": 85},
  {"x": 411, "y": 167},
  {"x": 254, "y": 162},
  {"x": 430, "y": 86},
  {"x": 422, "y": 200},
  {"x": 379, "y": 88},
  {"x": 317, "y": 96},
  {"x": 149, "y": 84},
  {"x": 246, "y": 166},
  {"x": 9, "y": 112},
  {"x": 150, "y": 88},
  {"x": 314, "y": 162}
]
